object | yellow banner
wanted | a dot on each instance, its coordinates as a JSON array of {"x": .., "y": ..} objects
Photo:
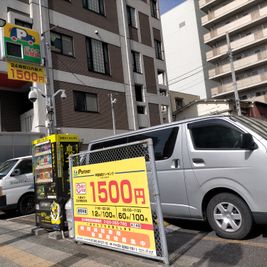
[
  {"x": 24, "y": 72},
  {"x": 112, "y": 205},
  {"x": 57, "y": 138}
]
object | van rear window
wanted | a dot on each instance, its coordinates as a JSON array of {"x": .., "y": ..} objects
[{"x": 163, "y": 141}]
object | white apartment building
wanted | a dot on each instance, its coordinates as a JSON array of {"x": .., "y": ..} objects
[
  {"x": 246, "y": 23},
  {"x": 96, "y": 48},
  {"x": 185, "y": 51}
]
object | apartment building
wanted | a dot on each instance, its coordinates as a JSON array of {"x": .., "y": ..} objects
[
  {"x": 246, "y": 23},
  {"x": 102, "y": 53}
]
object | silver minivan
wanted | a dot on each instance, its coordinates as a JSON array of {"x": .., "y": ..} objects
[{"x": 209, "y": 168}]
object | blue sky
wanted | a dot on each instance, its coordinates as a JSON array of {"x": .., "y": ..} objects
[{"x": 165, "y": 5}]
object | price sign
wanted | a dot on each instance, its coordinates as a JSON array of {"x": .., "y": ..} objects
[
  {"x": 23, "y": 72},
  {"x": 112, "y": 205}
]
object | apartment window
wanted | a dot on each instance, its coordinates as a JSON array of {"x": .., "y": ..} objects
[
  {"x": 61, "y": 43},
  {"x": 158, "y": 49},
  {"x": 162, "y": 77},
  {"x": 179, "y": 103},
  {"x": 154, "y": 9},
  {"x": 96, "y": 6},
  {"x": 23, "y": 23},
  {"x": 139, "y": 93},
  {"x": 163, "y": 92},
  {"x": 141, "y": 110},
  {"x": 85, "y": 102},
  {"x": 136, "y": 62},
  {"x": 97, "y": 54},
  {"x": 131, "y": 16}
]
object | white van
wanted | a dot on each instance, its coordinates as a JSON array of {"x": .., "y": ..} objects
[
  {"x": 209, "y": 168},
  {"x": 17, "y": 185}
]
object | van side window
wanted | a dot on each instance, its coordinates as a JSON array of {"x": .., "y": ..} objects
[
  {"x": 163, "y": 141},
  {"x": 215, "y": 134},
  {"x": 25, "y": 166}
]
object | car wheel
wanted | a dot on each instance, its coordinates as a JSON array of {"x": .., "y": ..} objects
[
  {"x": 26, "y": 204},
  {"x": 229, "y": 216}
]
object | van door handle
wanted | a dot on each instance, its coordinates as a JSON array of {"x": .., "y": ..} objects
[
  {"x": 198, "y": 161},
  {"x": 175, "y": 164}
]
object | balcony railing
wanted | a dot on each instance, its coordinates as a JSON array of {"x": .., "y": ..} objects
[
  {"x": 203, "y": 3},
  {"x": 238, "y": 44},
  {"x": 236, "y": 24},
  {"x": 246, "y": 83},
  {"x": 239, "y": 64},
  {"x": 223, "y": 10}
]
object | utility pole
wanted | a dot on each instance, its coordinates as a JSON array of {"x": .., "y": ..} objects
[
  {"x": 112, "y": 103},
  {"x": 50, "y": 115},
  {"x": 237, "y": 101}
]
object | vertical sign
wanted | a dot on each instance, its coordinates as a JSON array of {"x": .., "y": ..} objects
[{"x": 112, "y": 206}]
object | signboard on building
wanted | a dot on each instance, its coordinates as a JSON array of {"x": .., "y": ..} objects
[
  {"x": 23, "y": 72},
  {"x": 20, "y": 43},
  {"x": 112, "y": 205}
]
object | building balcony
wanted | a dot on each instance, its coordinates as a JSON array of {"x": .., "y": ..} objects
[
  {"x": 223, "y": 12},
  {"x": 250, "y": 82},
  {"x": 238, "y": 45},
  {"x": 236, "y": 26},
  {"x": 205, "y": 5},
  {"x": 239, "y": 65}
]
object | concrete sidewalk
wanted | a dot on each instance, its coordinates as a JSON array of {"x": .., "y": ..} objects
[{"x": 18, "y": 247}]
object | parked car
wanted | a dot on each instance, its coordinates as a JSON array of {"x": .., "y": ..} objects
[
  {"x": 17, "y": 186},
  {"x": 209, "y": 168}
]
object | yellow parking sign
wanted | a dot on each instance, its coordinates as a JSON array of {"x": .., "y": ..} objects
[{"x": 25, "y": 72}]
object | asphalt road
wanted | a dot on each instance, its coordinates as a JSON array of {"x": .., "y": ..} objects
[{"x": 195, "y": 244}]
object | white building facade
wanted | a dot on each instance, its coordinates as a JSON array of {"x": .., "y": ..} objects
[{"x": 184, "y": 49}]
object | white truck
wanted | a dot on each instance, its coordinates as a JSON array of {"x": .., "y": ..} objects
[{"x": 17, "y": 185}]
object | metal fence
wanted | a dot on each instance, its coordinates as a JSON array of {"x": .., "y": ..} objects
[{"x": 131, "y": 150}]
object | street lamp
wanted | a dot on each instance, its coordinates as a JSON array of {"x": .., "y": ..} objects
[
  {"x": 33, "y": 95},
  {"x": 2, "y": 22}
]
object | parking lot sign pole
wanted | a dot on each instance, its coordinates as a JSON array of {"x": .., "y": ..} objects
[{"x": 158, "y": 203}]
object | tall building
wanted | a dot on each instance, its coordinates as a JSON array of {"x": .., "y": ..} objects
[
  {"x": 103, "y": 53},
  {"x": 246, "y": 23},
  {"x": 185, "y": 51}
]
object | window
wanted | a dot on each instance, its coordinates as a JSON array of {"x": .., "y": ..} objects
[
  {"x": 61, "y": 43},
  {"x": 136, "y": 62},
  {"x": 163, "y": 92},
  {"x": 163, "y": 142},
  {"x": 215, "y": 135},
  {"x": 179, "y": 103},
  {"x": 25, "y": 166},
  {"x": 23, "y": 23},
  {"x": 85, "y": 102},
  {"x": 141, "y": 109},
  {"x": 154, "y": 9},
  {"x": 97, "y": 54},
  {"x": 182, "y": 24},
  {"x": 131, "y": 16},
  {"x": 96, "y": 6},
  {"x": 139, "y": 93},
  {"x": 158, "y": 49},
  {"x": 162, "y": 77}
]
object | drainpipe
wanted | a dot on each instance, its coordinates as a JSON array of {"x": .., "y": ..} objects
[{"x": 123, "y": 5}]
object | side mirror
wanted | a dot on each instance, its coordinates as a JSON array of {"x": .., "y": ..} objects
[
  {"x": 16, "y": 172},
  {"x": 247, "y": 142}
]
